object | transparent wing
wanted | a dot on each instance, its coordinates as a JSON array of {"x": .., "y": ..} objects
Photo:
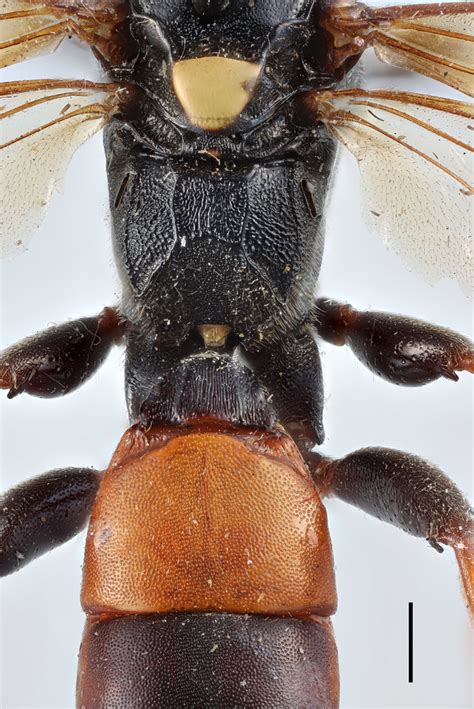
[
  {"x": 29, "y": 28},
  {"x": 438, "y": 45},
  {"x": 434, "y": 39},
  {"x": 415, "y": 159},
  {"x": 26, "y": 32},
  {"x": 42, "y": 123}
]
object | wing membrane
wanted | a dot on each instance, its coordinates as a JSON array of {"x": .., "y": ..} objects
[
  {"x": 415, "y": 158},
  {"x": 42, "y": 123},
  {"x": 434, "y": 39},
  {"x": 25, "y": 32},
  {"x": 29, "y": 28}
]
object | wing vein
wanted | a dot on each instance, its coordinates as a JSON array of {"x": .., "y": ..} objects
[
  {"x": 444, "y": 105},
  {"x": 52, "y": 30},
  {"x": 351, "y": 118},
  {"x": 428, "y": 56},
  {"x": 90, "y": 111},
  {"x": 37, "y": 102},
  {"x": 435, "y": 30},
  {"x": 417, "y": 121}
]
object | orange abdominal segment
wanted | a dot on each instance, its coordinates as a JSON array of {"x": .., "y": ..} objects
[{"x": 209, "y": 521}]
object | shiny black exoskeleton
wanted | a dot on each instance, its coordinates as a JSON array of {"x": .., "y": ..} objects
[{"x": 223, "y": 227}]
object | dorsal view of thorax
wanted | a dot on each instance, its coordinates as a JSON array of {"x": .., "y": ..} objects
[
  {"x": 217, "y": 187},
  {"x": 208, "y": 519}
]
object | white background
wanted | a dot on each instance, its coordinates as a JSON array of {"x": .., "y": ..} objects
[{"x": 69, "y": 272}]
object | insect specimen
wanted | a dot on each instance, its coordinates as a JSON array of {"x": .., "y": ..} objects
[{"x": 279, "y": 157}]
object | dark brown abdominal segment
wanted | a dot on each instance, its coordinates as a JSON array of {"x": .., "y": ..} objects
[{"x": 207, "y": 660}]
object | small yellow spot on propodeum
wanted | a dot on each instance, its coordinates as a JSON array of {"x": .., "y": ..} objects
[
  {"x": 214, "y": 90},
  {"x": 214, "y": 335}
]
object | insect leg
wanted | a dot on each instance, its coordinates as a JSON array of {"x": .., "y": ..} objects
[
  {"x": 408, "y": 492},
  {"x": 58, "y": 360},
  {"x": 207, "y": 660},
  {"x": 400, "y": 349},
  {"x": 42, "y": 513}
]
